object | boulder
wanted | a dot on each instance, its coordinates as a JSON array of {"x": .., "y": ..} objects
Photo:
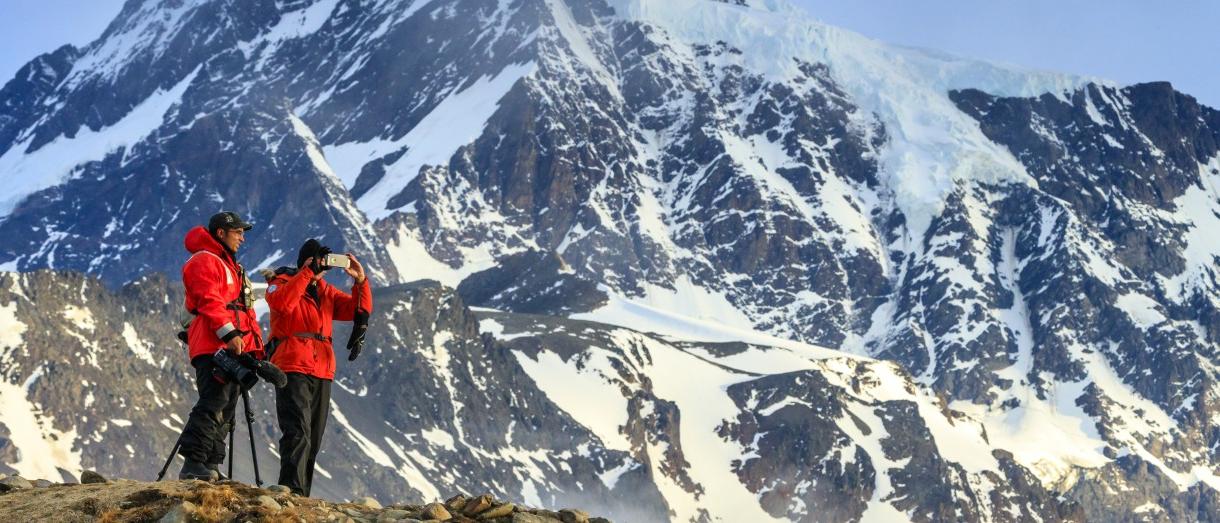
[
  {"x": 268, "y": 502},
  {"x": 279, "y": 489},
  {"x": 434, "y": 511},
  {"x": 14, "y": 483},
  {"x": 179, "y": 514},
  {"x": 478, "y": 505},
  {"x": 367, "y": 502},
  {"x": 456, "y": 503},
  {"x": 498, "y": 511},
  {"x": 395, "y": 514},
  {"x": 90, "y": 476},
  {"x": 571, "y": 515}
]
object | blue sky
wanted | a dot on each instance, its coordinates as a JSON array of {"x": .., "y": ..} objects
[{"x": 1127, "y": 41}]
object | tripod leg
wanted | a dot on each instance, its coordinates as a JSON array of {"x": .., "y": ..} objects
[
  {"x": 232, "y": 425},
  {"x": 245, "y": 398},
  {"x": 170, "y": 459}
]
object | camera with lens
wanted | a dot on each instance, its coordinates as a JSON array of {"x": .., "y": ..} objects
[
  {"x": 246, "y": 370},
  {"x": 231, "y": 368}
]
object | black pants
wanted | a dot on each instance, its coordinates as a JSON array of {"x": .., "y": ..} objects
[
  {"x": 301, "y": 408},
  {"x": 203, "y": 438}
]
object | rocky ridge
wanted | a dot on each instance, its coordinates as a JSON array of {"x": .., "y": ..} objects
[{"x": 97, "y": 498}]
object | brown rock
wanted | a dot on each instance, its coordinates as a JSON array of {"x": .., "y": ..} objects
[
  {"x": 571, "y": 515},
  {"x": 90, "y": 476},
  {"x": 456, "y": 503},
  {"x": 367, "y": 502},
  {"x": 268, "y": 502},
  {"x": 14, "y": 483},
  {"x": 179, "y": 514},
  {"x": 394, "y": 514},
  {"x": 435, "y": 511},
  {"x": 498, "y": 511},
  {"x": 526, "y": 517},
  {"x": 478, "y": 505}
]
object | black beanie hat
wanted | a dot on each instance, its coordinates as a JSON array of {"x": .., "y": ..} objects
[{"x": 312, "y": 248}]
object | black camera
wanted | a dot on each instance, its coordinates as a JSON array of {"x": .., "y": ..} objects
[
  {"x": 246, "y": 370},
  {"x": 232, "y": 369}
]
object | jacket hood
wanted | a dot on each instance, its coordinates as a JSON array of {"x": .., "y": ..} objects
[{"x": 198, "y": 239}]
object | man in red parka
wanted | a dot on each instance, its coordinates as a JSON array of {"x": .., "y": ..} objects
[
  {"x": 218, "y": 295},
  {"x": 303, "y": 306}
]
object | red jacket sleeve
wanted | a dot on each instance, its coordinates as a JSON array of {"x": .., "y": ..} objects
[
  {"x": 345, "y": 304},
  {"x": 284, "y": 298},
  {"x": 204, "y": 279}
]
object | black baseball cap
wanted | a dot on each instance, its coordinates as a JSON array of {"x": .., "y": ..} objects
[{"x": 227, "y": 220}]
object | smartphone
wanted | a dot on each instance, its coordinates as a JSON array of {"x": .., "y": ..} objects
[{"x": 337, "y": 260}]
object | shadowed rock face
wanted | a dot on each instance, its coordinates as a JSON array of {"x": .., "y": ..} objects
[
  {"x": 532, "y": 283},
  {"x": 616, "y": 157}
]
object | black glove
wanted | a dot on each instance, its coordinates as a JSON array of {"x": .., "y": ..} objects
[
  {"x": 265, "y": 370},
  {"x": 320, "y": 261},
  {"x": 360, "y": 326}
]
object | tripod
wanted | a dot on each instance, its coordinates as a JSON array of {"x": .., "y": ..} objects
[{"x": 245, "y": 398}]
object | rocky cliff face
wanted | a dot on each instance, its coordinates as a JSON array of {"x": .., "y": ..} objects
[
  {"x": 561, "y": 412},
  {"x": 1025, "y": 259},
  {"x": 431, "y": 405}
]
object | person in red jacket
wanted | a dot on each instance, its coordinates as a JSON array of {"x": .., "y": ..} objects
[
  {"x": 303, "y": 306},
  {"x": 218, "y": 295}
]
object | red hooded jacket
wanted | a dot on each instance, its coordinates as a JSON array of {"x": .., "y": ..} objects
[
  {"x": 302, "y": 324},
  {"x": 212, "y": 278}
]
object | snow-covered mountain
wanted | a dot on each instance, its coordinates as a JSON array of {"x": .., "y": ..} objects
[{"x": 1004, "y": 279}]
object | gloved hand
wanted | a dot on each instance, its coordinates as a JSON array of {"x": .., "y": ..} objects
[
  {"x": 322, "y": 266},
  {"x": 360, "y": 326},
  {"x": 265, "y": 370}
]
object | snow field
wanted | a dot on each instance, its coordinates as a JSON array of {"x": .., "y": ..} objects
[
  {"x": 456, "y": 121},
  {"x": 41, "y": 448},
  {"x": 587, "y": 387},
  {"x": 1199, "y": 209}
]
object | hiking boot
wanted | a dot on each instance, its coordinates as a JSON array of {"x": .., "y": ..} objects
[
  {"x": 196, "y": 470},
  {"x": 220, "y": 476}
]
